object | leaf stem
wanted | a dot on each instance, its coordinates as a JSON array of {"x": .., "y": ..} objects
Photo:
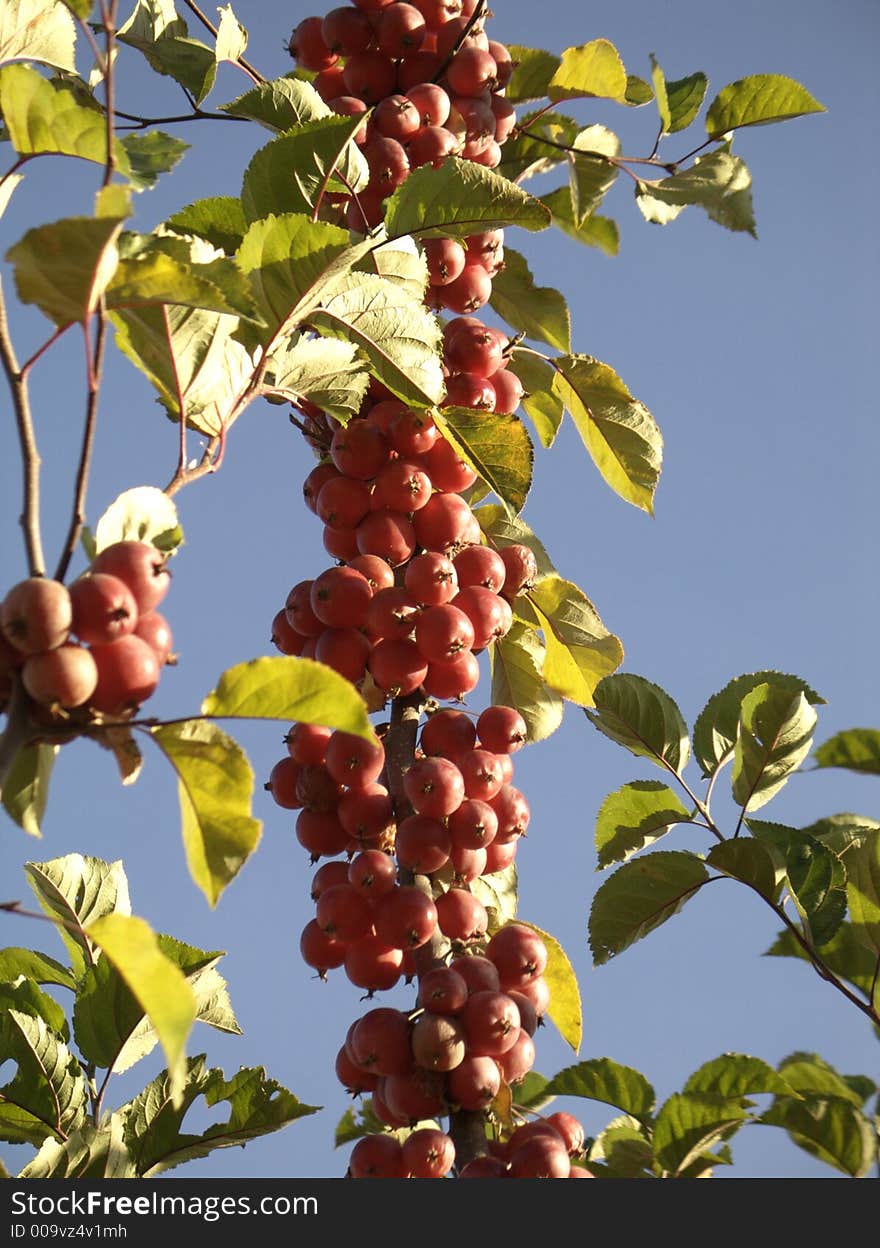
[
  {"x": 478, "y": 13},
  {"x": 94, "y": 371},
  {"x": 30, "y": 519},
  {"x": 108, "y": 14},
  {"x": 40, "y": 351}
]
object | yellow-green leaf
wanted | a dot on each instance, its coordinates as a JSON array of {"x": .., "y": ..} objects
[
  {"x": 757, "y": 101},
  {"x": 142, "y": 514},
  {"x": 594, "y": 69},
  {"x": 45, "y": 117},
  {"x": 65, "y": 267},
  {"x": 565, "y": 996},
  {"x": 580, "y": 649},
  {"x": 516, "y": 661},
  {"x": 496, "y": 446},
  {"x": 37, "y": 30}
]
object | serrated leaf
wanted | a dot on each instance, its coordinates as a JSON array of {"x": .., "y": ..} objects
[
  {"x": 748, "y": 861},
  {"x": 232, "y": 38},
  {"x": 565, "y": 996},
  {"x": 46, "y": 118},
  {"x": 159, "y": 986},
  {"x": 400, "y": 260},
  {"x": 541, "y": 405},
  {"x": 623, "y": 1150},
  {"x": 642, "y": 717},
  {"x": 142, "y": 514},
  {"x": 459, "y": 199},
  {"x": 27, "y": 997},
  {"x": 715, "y": 728},
  {"x": 280, "y": 105},
  {"x": 775, "y": 736},
  {"x": 216, "y": 787},
  {"x": 88, "y": 1153},
  {"x": 594, "y": 231},
  {"x": 602, "y": 1079},
  {"x": 540, "y": 312},
  {"x": 398, "y": 335},
  {"x": 533, "y": 70},
  {"x": 36, "y": 966},
  {"x": 758, "y": 100},
  {"x": 291, "y": 173},
  {"x": 189, "y": 62},
  {"x": 719, "y": 183},
  {"x": 844, "y": 954},
  {"x": 26, "y": 786},
  {"x": 180, "y": 272},
  {"x": 48, "y": 1094},
  {"x": 150, "y": 155},
  {"x": 37, "y": 30},
  {"x": 353, "y": 1126},
  {"x": 594, "y": 70},
  {"x": 736, "y": 1074},
  {"x": 498, "y": 893},
  {"x": 691, "y": 1122},
  {"x": 496, "y": 447},
  {"x": 810, "y": 1074},
  {"x": 619, "y": 432},
  {"x": 516, "y": 663},
  {"x": 685, "y": 99},
  {"x": 863, "y": 890},
  {"x": 289, "y": 689},
  {"x": 638, "y": 92},
  {"x": 504, "y": 530},
  {"x": 635, "y": 816},
  {"x": 219, "y": 220},
  {"x": 816, "y": 877},
  {"x": 590, "y": 173},
  {"x": 833, "y": 1131},
  {"x": 75, "y": 890},
  {"x": 327, "y": 372},
  {"x": 841, "y": 831},
  {"x": 856, "y": 749},
  {"x": 580, "y": 651},
  {"x": 65, "y": 267},
  {"x": 639, "y": 897},
  {"x": 538, "y": 145}
]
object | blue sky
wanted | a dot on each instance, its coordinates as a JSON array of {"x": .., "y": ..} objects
[{"x": 754, "y": 358}]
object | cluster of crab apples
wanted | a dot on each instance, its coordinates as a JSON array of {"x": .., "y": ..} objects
[{"x": 98, "y": 645}]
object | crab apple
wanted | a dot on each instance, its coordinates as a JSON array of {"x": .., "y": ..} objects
[
  {"x": 329, "y": 83},
  {"x": 453, "y": 678},
  {"x": 393, "y": 612},
  {"x": 474, "y": 1083},
  {"x": 470, "y": 291},
  {"x": 387, "y": 162},
  {"x": 415, "y": 1096},
  {"x": 455, "y": 33},
  {"x": 307, "y": 46},
  {"x": 298, "y": 609},
  {"x": 397, "y": 667},
  {"x": 538, "y": 1128},
  {"x": 401, "y": 486},
  {"x": 327, "y": 876},
  {"x": 445, "y": 258},
  {"x": 479, "y": 565},
  {"x": 65, "y": 676},
  {"x": 537, "y": 991},
  {"x": 36, "y": 615},
  {"x": 442, "y": 632},
  {"x": 442, "y": 991},
  {"x": 504, "y": 62},
  {"x": 347, "y": 30},
  {"x": 319, "y": 950},
  {"x": 489, "y": 613},
  {"x": 346, "y": 650},
  {"x": 351, "y": 106},
  {"x": 396, "y": 117},
  {"x": 353, "y": 1079},
  {"x": 467, "y": 864},
  {"x": 359, "y": 450},
  {"x": 370, "y": 75},
  {"x": 388, "y": 534},
  {"x": 428, "y": 1153},
  {"x": 372, "y": 965},
  {"x": 481, "y": 772},
  {"x": 373, "y": 873},
  {"x": 521, "y": 569},
  {"x": 103, "y": 608},
  {"x": 431, "y": 102},
  {"x": 316, "y": 480},
  {"x": 379, "y": 1042},
  {"x": 443, "y": 523},
  {"x": 541, "y": 1157},
  {"x": 431, "y": 578},
  {"x": 353, "y": 761},
  {"x": 282, "y": 784},
  {"x": 519, "y": 953},
  {"x": 513, "y": 812},
  {"x": 400, "y": 29},
  {"x": 499, "y": 856},
  {"x": 501, "y": 729},
  {"x": 141, "y": 566},
  {"x": 412, "y": 432},
  {"x": 154, "y": 629},
  {"x": 434, "y": 787},
  {"x": 438, "y": 1042},
  {"x": 461, "y": 916},
  {"x": 519, "y": 1059},
  {"x": 528, "y": 1015},
  {"x": 569, "y": 1128},
  {"x": 342, "y": 502},
  {"x": 447, "y": 470},
  {"x": 491, "y": 1023},
  {"x": 473, "y": 825},
  {"x": 128, "y": 673},
  {"x": 423, "y": 845},
  {"x": 470, "y": 390},
  {"x": 340, "y": 543},
  {"x": 308, "y": 743},
  {"x": 340, "y": 597},
  {"x": 367, "y": 814},
  {"x": 484, "y": 1167},
  {"x": 448, "y": 733},
  {"x": 379, "y": 574},
  {"x": 508, "y": 392},
  {"x": 316, "y": 789},
  {"x": 377, "y": 1157},
  {"x": 430, "y": 146},
  {"x": 405, "y": 917},
  {"x": 381, "y": 1110},
  {"x": 478, "y": 973},
  {"x": 321, "y": 833},
  {"x": 474, "y": 348},
  {"x": 483, "y": 244}
]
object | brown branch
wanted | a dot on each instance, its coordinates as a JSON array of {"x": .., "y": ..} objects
[
  {"x": 30, "y": 519},
  {"x": 94, "y": 367}
]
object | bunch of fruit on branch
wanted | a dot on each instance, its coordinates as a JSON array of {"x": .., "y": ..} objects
[{"x": 93, "y": 649}]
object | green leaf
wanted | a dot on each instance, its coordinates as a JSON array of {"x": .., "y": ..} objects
[
  {"x": 326, "y": 371},
  {"x": 88, "y": 1153},
  {"x": 833, "y": 1131},
  {"x": 594, "y": 70},
  {"x": 64, "y": 268},
  {"x": 516, "y": 663},
  {"x": 638, "y": 92},
  {"x": 685, "y": 99},
  {"x": 48, "y": 1094},
  {"x": 498, "y": 893},
  {"x": 294, "y": 689},
  {"x": 856, "y": 749},
  {"x": 496, "y": 446},
  {"x": 540, "y": 312},
  {"x": 504, "y": 530},
  {"x": 257, "y": 1106},
  {"x": 775, "y": 736},
  {"x": 716, "y": 726},
  {"x": 591, "y": 175},
  {"x": 565, "y": 996},
  {"x": 841, "y": 831},
  {"x": 863, "y": 890},
  {"x": 623, "y": 1150},
  {"x": 45, "y": 117},
  {"x": 292, "y": 172},
  {"x": 216, "y": 787},
  {"x": 691, "y": 1122},
  {"x": 538, "y": 145},
  {"x": 810, "y": 1074},
  {"x": 541, "y": 405},
  {"x": 659, "y": 80},
  {"x": 26, "y": 787},
  {"x": 75, "y": 890},
  {"x": 28, "y": 998},
  {"x": 280, "y": 105},
  {"x": 157, "y": 984},
  {"x": 220, "y": 220},
  {"x": 150, "y": 155},
  {"x": 581, "y": 651},
  {"x": 719, "y": 182},
  {"x": 639, "y": 897},
  {"x": 603, "y": 1080},
  {"x": 635, "y": 816},
  {"x": 399, "y": 336},
  {"x": 734, "y": 1075},
  {"x": 643, "y": 718},
  {"x": 37, "y": 30},
  {"x": 179, "y": 272},
  {"x": 531, "y": 1092},
  {"x": 594, "y": 231},
  {"x": 748, "y": 861},
  {"x": 532, "y": 73},
  {"x": 844, "y": 954},
  {"x": 816, "y": 877},
  {"x": 232, "y": 38},
  {"x": 458, "y": 199},
  {"x": 142, "y": 514},
  {"x": 401, "y": 261},
  {"x": 758, "y": 100},
  {"x": 34, "y": 965},
  {"x": 153, "y": 20},
  {"x": 619, "y": 432},
  {"x": 169, "y": 52}
]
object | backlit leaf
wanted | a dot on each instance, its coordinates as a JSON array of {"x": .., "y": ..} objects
[
  {"x": 685, "y": 98},
  {"x": 833, "y": 1131},
  {"x": 532, "y": 73},
  {"x": 142, "y": 514},
  {"x": 856, "y": 749},
  {"x": 642, "y": 717},
  {"x": 36, "y": 966},
  {"x": 74, "y": 891},
  {"x": 540, "y": 312},
  {"x": 292, "y": 172},
  {"x": 580, "y": 649},
  {"x": 37, "y": 30},
  {"x": 328, "y": 372},
  {"x": 516, "y": 663},
  {"x": 87, "y": 1153},
  {"x": 594, "y": 70},
  {"x": 688, "y": 1123},
  {"x": 565, "y": 1007},
  {"x": 844, "y": 954},
  {"x": 65, "y": 267},
  {"x": 543, "y": 407},
  {"x": 232, "y": 38},
  {"x": 594, "y": 230},
  {"x": 219, "y": 220},
  {"x": 150, "y": 155},
  {"x": 602, "y": 1079},
  {"x": 280, "y": 105},
  {"x": 718, "y": 182},
  {"x": 635, "y": 816},
  {"x": 758, "y": 100},
  {"x": 639, "y": 897},
  {"x": 775, "y": 736},
  {"x": 48, "y": 1094},
  {"x": 26, "y": 786},
  {"x": 459, "y": 199},
  {"x": 863, "y": 890},
  {"x": 496, "y": 446},
  {"x": 736, "y": 1074}
]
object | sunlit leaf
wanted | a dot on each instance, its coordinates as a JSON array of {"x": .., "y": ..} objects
[
  {"x": 833, "y": 1131},
  {"x": 602, "y": 1079},
  {"x": 863, "y": 891},
  {"x": 220, "y": 220},
  {"x": 758, "y": 100},
  {"x": 292, "y": 172},
  {"x": 287, "y": 258},
  {"x": 718, "y": 182},
  {"x": 74, "y": 891},
  {"x": 775, "y": 736},
  {"x": 594, "y": 70},
  {"x": 459, "y": 199},
  {"x": 87, "y": 1153},
  {"x": 688, "y": 1123},
  {"x": 543, "y": 407},
  {"x": 736, "y": 1074},
  {"x": 635, "y": 816},
  {"x": 36, "y": 966},
  {"x": 642, "y": 717},
  {"x": 150, "y": 155},
  {"x": 142, "y": 514},
  {"x": 26, "y": 786},
  {"x": 280, "y": 105},
  {"x": 232, "y": 38},
  {"x": 47, "y": 1094},
  {"x": 565, "y": 1007},
  {"x": 496, "y": 446},
  {"x": 594, "y": 230},
  {"x": 37, "y": 30},
  {"x": 639, "y": 897},
  {"x": 856, "y": 749},
  {"x": 65, "y": 267},
  {"x": 516, "y": 664},
  {"x": 580, "y": 650},
  {"x": 540, "y": 312},
  {"x": 532, "y": 73},
  {"x": 328, "y": 372}
]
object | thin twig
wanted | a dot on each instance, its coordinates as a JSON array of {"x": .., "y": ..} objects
[
  {"x": 209, "y": 25},
  {"x": 198, "y": 114},
  {"x": 108, "y": 14},
  {"x": 50, "y": 342},
  {"x": 94, "y": 370},
  {"x": 478, "y": 13},
  {"x": 30, "y": 519},
  {"x": 206, "y": 465}
]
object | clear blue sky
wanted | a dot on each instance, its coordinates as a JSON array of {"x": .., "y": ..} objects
[{"x": 754, "y": 358}]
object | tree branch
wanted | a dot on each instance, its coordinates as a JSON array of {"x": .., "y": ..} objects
[{"x": 30, "y": 519}]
